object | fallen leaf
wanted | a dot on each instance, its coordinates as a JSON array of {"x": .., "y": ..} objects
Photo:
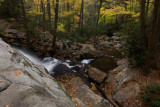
[
  {"x": 78, "y": 105},
  {"x": 17, "y": 73},
  {"x": 8, "y": 105},
  {"x": 1, "y": 80},
  {"x": 10, "y": 51}
]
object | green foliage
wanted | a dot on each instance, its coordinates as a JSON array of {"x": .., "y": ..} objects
[
  {"x": 107, "y": 29},
  {"x": 152, "y": 95},
  {"x": 10, "y": 9},
  {"x": 134, "y": 46}
]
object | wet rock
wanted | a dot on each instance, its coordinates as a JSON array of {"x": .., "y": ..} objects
[
  {"x": 96, "y": 75},
  {"x": 61, "y": 70}
]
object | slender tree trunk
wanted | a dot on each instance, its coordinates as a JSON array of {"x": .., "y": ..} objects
[
  {"x": 43, "y": 10},
  {"x": 25, "y": 22},
  {"x": 143, "y": 22},
  {"x": 69, "y": 22},
  {"x": 55, "y": 26},
  {"x": 81, "y": 18},
  {"x": 152, "y": 37},
  {"x": 73, "y": 13},
  {"x": 147, "y": 7},
  {"x": 157, "y": 44},
  {"x": 136, "y": 5},
  {"x": 130, "y": 5},
  {"x": 49, "y": 14},
  {"x": 96, "y": 26}
]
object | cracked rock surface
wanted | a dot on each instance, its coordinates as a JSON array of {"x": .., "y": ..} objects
[{"x": 23, "y": 84}]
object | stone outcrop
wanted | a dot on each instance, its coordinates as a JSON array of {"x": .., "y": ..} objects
[
  {"x": 79, "y": 90},
  {"x": 122, "y": 84},
  {"x": 95, "y": 74},
  {"x": 23, "y": 84}
]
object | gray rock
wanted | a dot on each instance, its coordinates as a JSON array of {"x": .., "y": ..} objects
[
  {"x": 24, "y": 84},
  {"x": 118, "y": 46},
  {"x": 115, "y": 37},
  {"x": 11, "y": 31},
  {"x": 131, "y": 91},
  {"x": 121, "y": 75},
  {"x": 91, "y": 99},
  {"x": 106, "y": 44},
  {"x": 4, "y": 84},
  {"x": 96, "y": 75},
  {"x": 60, "y": 70}
]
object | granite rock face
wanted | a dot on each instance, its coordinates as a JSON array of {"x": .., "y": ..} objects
[{"x": 24, "y": 84}]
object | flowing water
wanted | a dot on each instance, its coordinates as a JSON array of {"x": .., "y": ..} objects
[{"x": 50, "y": 63}]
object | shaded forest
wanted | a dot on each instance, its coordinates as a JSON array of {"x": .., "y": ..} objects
[{"x": 137, "y": 22}]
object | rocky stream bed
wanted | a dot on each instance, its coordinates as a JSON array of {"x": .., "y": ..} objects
[{"x": 78, "y": 75}]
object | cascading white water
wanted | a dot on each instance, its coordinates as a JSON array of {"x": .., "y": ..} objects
[{"x": 48, "y": 62}]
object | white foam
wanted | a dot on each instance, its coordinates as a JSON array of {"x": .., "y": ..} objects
[
  {"x": 49, "y": 63},
  {"x": 86, "y": 61}
]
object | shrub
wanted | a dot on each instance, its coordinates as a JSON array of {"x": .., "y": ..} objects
[
  {"x": 10, "y": 9},
  {"x": 133, "y": 44},
  {"x": 152, "y": 95}
]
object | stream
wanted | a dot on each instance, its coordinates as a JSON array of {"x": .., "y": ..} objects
[
  {"x": 58, "y": 68},
  {"x": 52, "y": 64}
]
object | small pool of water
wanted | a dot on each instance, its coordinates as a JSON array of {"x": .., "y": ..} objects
[{"x": 105, "y": 63}]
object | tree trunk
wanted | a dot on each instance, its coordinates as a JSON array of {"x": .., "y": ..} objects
[
  {"x": 25, "y": 22},
  {"x": 96, "y": 26},
  {"x": 142, "y": 22},
  {"x": 43, "y": 10},
  {"x": 49, "y": 14},
  {"x": 81, "y": 18},
  {"x": 152, "y": 37},
  {"x": 157, "y": 44},
  {"x": 69, "y": 22},
  {"x": 130, "y": 5},
  {"x": 147, "y": 7},
  {"x": 55, "y": 26}
]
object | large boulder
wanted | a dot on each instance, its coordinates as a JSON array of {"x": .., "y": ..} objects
[
  {"x": 60, "y": 70},
  {"x": 87, "y": 52},
  {"x": 95, "y": 74},
  {"x": 122, "y": 86},
  {"x": 126, "y": 95},
  {"x": 77, "y": 88},
  {"x": 24, "y": 84},
  {"x": 121, "y": 75}
]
